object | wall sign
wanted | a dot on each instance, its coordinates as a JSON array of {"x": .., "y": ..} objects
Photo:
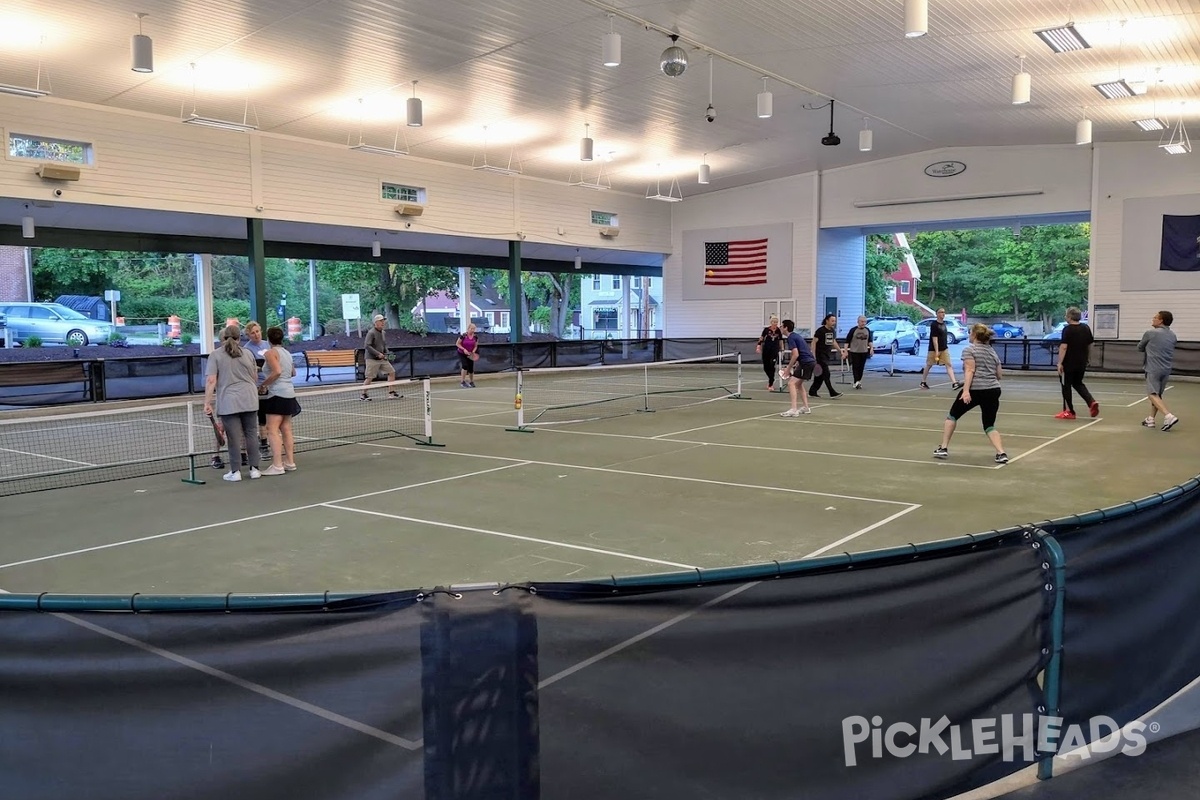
[{"x": 945, "y": 169}]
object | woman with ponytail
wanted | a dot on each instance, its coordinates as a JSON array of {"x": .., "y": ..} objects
[{"x": 231, "y": 390}]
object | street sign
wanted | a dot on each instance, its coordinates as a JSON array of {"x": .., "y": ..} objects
[
  {"x": 350, "y": 306},
  {"x": 112, "y": 296}
]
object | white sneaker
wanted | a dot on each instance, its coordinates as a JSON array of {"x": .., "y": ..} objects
[
  {"x": 272, "y": 470},
  {"x": 1169, "y": 422},
  {"x": 254, "y": 474},
  {"x": 858, "y": 384},
  {"x": 232, "y": 477},
  {"x": 1149, "y": 422},
  {"x": 806, "y": 410},
  {"x": 791, "y": 412}
]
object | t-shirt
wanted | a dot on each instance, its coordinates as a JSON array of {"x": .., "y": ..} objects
[
  {"x": 796, "y": 342},
  {"x": 987, "y": 365},
  {"x": 1078, "y": 338},
  {"x": 237, "y": 384},
  {"x": 937, "y": 336},
  {"x": 770, "y": 340},
  {"x": 1159, "y": 346},
  {"x": 859, "y": 340},
  {"x": 826, "y": 339},
  {"x": 375, "y": 344}
]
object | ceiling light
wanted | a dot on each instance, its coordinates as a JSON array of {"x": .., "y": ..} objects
[
  {"x": 866, "y": 137},
  {"x": 415, "y": 114},
  {"x": 223, "y": 124},
  {"x": 916, "y": 18},
  {"x": 674, "y": 193},
  {"x": 28, "y": 231},
  {"x": 1083, "y": 131},
  {"x": 765, "y": 102},
  {"x": 612, "y": 46},
  {"x": 22, "y": 91},
  {"x": 1063, "y": 38},
  {"x": 831, "y": 139},
  {"x": 578, "y": 259},
  {"x": 1179, "y": 144},
  {"x": 674, "y": 59},
  {"x": 493, "y": 168},
  {"x": 585, "y": 145},
  {"x": 141, "y": 49},
  {"x": 1114, "y": 89},
  {"x": 704, "y": 174},
  {"x": 1021, "y": 84},
  {"x": 1152, "y": 124},
  {"x": 379, "y": 151},
  {"x": 376, "y": 248}
]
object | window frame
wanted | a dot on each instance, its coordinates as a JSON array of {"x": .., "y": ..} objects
[
  {"x": 422, "y": 194},
  {"x": 88, "y": 148}
]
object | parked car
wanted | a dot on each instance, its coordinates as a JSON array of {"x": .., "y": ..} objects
[
  {"x": 54, "y": 324},
  {"x": 955, "y": 331},
  {"x": 1007, "y": 330},
  {"x": 893, "y": 335},
  {"x": 1054, "y": 338}
]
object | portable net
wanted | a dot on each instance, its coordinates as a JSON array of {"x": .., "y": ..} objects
[
  {"x": 562, "y": 396},
  {"x": 73, "y": 449}
]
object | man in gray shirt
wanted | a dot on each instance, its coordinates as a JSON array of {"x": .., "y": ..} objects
[
  {"x": 1158, "y": 345},
  {"x": 375, "y": 343}
]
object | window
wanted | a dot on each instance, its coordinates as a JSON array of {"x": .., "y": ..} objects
[
  {"x": 403, "y": 194},
  {"x": 595, "y": 283},
  {"x": 637, "y": 282},
  {"x": 42, "y": 148},
  {"x": 605, "y": 319},
  {"x": 616, "y": 282},
  {"x": 503, "y": 319},
  {"x": 905, "y": 286},
  {"x": 605, "y": 219}
]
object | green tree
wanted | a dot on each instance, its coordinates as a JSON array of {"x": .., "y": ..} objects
[{"x": 883, "y": 256}]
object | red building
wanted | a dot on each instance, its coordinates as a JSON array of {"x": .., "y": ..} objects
[{"x": 905, "y": 278}]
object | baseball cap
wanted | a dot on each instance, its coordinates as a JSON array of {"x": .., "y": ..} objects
[{"x": 378, "y": 317}]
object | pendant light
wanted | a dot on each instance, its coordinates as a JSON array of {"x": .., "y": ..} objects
[
  {"x": 765, "y": 102},
  {"x": 586, "y": 145},
  {"x": 141, "y": 49},
  {"x": 1021, "y": 84},
  {"x": 612, "y": 46},
  {"x": 415, "y": 112}
]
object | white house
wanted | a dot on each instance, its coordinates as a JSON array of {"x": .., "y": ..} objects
[{"x": 602, "y": 300}]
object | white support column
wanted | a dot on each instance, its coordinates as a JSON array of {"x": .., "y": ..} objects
[
  {"x": 313, "y": 322},
  {"x": 625, "y": 281},
  {"x": 464, "y": 298},
  {"x": 204, "y": 301}
]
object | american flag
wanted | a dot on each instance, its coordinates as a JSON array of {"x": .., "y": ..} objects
[{"x": 735, "y": 263}]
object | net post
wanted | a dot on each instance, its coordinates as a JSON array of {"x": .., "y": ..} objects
[
  {"x": 191, "y": 442},
  {"x": 739, "y": 375},
  {"x": 519, "y": 404},
  {"x": 427, "y": 398}
]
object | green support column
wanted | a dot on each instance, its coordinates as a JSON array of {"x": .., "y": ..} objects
[
  {"x": 258, "y": 271},
  {"x": 515, "y": 322}
]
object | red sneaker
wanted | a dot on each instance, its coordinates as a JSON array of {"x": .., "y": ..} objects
[
  {"x": 1065, "y": 415},
  {"x": 1094, "y": 408}
]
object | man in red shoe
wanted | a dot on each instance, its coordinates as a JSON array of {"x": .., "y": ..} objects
[{"x": 1072, "y": 363}]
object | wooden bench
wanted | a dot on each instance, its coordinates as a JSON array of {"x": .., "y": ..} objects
[
  {"x": 43, "y": 373},
  {"x": 316, "y": 359}
]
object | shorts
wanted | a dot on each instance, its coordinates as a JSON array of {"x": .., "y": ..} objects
[
  {"x": 941, "y": 357},
  {"x": 375, "y": 367},
  {"x": 803, "y": 371},
  {"x": 1156, "y": 383},
  {"x": 280, "y": 406}
]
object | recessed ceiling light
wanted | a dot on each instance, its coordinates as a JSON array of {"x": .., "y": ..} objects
[{"x": 1063, "y": 38}]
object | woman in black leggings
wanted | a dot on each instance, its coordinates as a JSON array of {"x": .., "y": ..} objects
[
  {"x": 981, "y": 387},
  {"x": 823, "y": 344},
  {"x": 768, "y": 345}
]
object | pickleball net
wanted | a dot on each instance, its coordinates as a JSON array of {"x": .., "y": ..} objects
[
  {"x": 571, "y": 395},
  {"x": 57, "y": 451}
]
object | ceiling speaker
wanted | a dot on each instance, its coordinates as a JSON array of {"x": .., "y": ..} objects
[{"x": 58, "y": 172}]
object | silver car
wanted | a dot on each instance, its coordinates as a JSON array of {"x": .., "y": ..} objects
[{"x": 54, "y": 324}]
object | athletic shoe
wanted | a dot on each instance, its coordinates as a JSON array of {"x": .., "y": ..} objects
[
  {"x": 289, "y": 467},
  {"x": 232, "y": 477},
  {"x": 1170, "y": 422},
  {"x": 924, "y": 385},
  {"x": 836, "y": 394},
  {"x": 471, "y": 384},
  {"x": 255, "y": 474},
  {"x": 1149, "y": 422},
  {"x": 941, "y": 452},
  {"x": 364, "y": 396},
  {"x": 1001, "y": 458},
  {"x": 264, "y": 448},
  {"x": 814, "y": 396},
  {"x": 770, "y": 387},
  {"x": 463, "y": 384},
  {"x": 806, "y": 410},
  {"x": 857, "y": 385},
  {"x": 217, "y": 463},
  {"x": 791, "y": 412},
  {"x": 956, "y": 385},
  {"x": 396, "y": 395},
  {"x": 1094, "y": 408},
  {"x": 271, "y": 470},
  {"x": 1066, "y": 415}
]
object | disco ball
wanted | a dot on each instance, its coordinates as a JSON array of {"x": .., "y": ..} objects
[{"x": 674, "y": 61}]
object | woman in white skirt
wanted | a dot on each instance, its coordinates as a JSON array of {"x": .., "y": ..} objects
[{"x": 279, "y": 403}]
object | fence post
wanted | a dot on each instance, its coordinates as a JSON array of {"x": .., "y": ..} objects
[
  {"x": 1053, "y": 681},
  {"x": 99, "y": 394}
]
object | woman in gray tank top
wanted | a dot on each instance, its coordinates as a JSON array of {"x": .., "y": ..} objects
[
  {"x": 981, "y": 387},
  {"x": 279, "y": 403}
]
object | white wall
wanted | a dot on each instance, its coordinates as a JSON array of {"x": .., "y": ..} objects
[
  {"x": 791, "y": 200},
  {"x": 1130, "y": 177},
  {"x": 841, "y": 270}
]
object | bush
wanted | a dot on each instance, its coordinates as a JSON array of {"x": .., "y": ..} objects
[
  {"x": 913, "y": 313},
  {"x": 297, "y": 338},
  {"x": 185, "y": 339},
  {"x": 412, "y": 324},
  {"x": 32, "y": 341},
  {"x": 117, "y": 339}
]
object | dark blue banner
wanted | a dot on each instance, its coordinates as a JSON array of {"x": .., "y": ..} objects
[{"x": 1180, "y": 244}]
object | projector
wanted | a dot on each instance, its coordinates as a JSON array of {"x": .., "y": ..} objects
[{"x": 831, "y": 139}]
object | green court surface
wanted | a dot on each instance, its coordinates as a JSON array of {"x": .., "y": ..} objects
[{"x": 724, "y": 483}]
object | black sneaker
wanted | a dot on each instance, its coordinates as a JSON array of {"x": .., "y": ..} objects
[
  {"x": 956, "y": 385},
  {"x": 217, "y": 463},
  {"x": 836, "y": 394},
  {"x": 1001, "y": 458},
  {"x": 924, "y": 385},
  {"x": 364, "y": 396},
  {"x": 941, "y": 452}
]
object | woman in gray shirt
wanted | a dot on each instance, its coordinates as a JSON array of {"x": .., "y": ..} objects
[
  {"x": 981, "y": 387},
  {"x": 230, "y": 386},
  {"x": 279, "y": 403}
]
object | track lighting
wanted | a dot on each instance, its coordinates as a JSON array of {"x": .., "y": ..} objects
[
  {"x": 674, "y": 59},
  {"x": 866, "y": 137},
  {"x": 916, "y": 18},
  {"x": 141, "y": 49},
  {"x": 415, "y": 111},
  {"x": 585, "y": 145},
  {"x": 765, "y": 102},
  {"x": 1021, "y": 84},
  {"x": 612, "y": 46}
]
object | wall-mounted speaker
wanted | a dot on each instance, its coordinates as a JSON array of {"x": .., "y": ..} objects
[
  {"x": 410, "y": 210},
  {"x": 58, "y": 172},
  {"x": 610, "y": 233}
]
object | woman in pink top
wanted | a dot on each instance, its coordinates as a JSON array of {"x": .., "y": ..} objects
[{"x": 468, "y": 354}]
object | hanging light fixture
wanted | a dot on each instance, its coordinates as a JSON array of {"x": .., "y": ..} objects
[
  {"x": 1083, "y": 131},
  {"x": 578, "y": 259},
  {"x": 866, "y": 137},
  {"x": 704, "y": 174},
  {"x": 28, "y": 230},
  {"x": 1021, "y": 84},
  {"x": 1179, "y": 144},
  {"x": 765, "y": 102},
  {"x": 674, "y": 59},
  {"x": 612, "y": 45},
  {"x": 916, "y": 18},
  {"x": 376, "y": 247},
  {"x": 415, "y": 112},
  {"x": 585, "y": 145},
  {"x": 710, "y": 113},
  {"x": 141, "y": 49}
]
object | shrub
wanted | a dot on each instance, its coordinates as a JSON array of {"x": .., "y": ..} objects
[
  {"x": 414, "y": 324},
  {"x": 296, "y": 338},
  {"x": 117, "y": 339},
  {"x": 32, "y": 341},
  {"x": 185, "y": 339}
]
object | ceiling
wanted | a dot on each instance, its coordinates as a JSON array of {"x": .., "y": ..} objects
[{"x": 530, "y": 71}]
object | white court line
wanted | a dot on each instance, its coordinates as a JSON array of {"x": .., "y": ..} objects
[
  {"x": 940, "y": 411},
  {"x": 662, "y": 626},
  {"x": 504, "y": 535},
  {"x": 916, "y": 389},
  {"x": 816, "y": 421},
  {"x": 718, "y": 425},
  {"x": 43, "y": 455},
  {"x": 1055, "y": 439},
  {"x": 1146, "y": 399},
  {"x": 254, "y": 517}
]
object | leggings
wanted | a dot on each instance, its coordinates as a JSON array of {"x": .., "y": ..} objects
[
  {"x": 988, "y": 401},
  {"x": 241, "y": 428},
  {"x": 1073, "y": 379},
  {"x": 858, "y": 362},
  {"x": 770, "y": 361},
  {"x": 822, "y": 371}
]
